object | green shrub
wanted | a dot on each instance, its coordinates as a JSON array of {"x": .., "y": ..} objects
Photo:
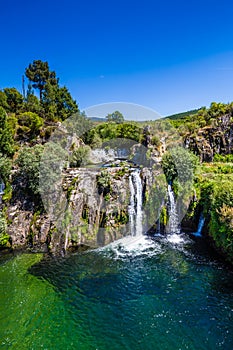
[
  {"x": 29, "y": 167},
  {"x": 80, "y": 156},
  {"x": 104, "y": 182},
  {"x": 29, "y": 123},
  {"x": 4, "y": 237},
  {"x": 179, "y": 163}
]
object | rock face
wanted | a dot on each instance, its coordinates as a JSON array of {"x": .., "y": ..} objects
[
  {"x": 28, "y": 229},
  {"x": 97, "y": 214},
  {"x": 95, "y": 205},
  {"x": 211, "y": 140}
]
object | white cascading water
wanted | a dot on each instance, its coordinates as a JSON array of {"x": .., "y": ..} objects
[
  {"x": 136, "y": 243},
  {"x": 173, "y": 215},
  {"x": 174, "y": 225},
  {"x": 131, "y": 208},
  {"x": 135, "y": 206}
]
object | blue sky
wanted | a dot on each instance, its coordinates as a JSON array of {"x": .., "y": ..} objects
[{"x": 170, "y": 56}]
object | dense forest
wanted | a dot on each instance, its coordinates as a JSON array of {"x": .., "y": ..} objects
[{"x": 28, "y": 119}]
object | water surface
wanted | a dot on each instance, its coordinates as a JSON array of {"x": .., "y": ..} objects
[{"x": 134, "y": 294}]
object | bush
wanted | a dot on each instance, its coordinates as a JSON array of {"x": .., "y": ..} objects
[
  {"x": 4, "y": 237},
  {"x": 30, "y": 123},
  {"x": 104, "y": 182},
  {"x": 5, "y": 168},
  {"x": 80, "y": 156},
  {"x": 223, "y": 158},
  {"x": 29, "y": 167},
  {"x": 179, "y": 163}
]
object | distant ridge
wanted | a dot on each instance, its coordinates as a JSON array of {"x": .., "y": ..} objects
[
  {"x": 183, "y": 114},
  {"x": 97, "y": 119}
]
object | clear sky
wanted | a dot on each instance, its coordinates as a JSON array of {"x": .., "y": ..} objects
[{"x": 170, "y": 56}]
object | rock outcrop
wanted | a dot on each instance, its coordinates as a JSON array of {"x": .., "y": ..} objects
[
  {"x": 96, "y": 211},
  {"x": 211, "y": 140}
]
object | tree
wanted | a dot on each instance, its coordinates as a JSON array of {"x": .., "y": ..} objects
[
  {"x": 3, "y": 101},
  {"x": 49, "y": 101},
  {"x": 6, "y": 137},
  {"x": 14, "y": 99},
  {"x": 179, "y": 164},
  {"x": 32, "y": 104},
  {"x": 66, "y": 106},
  {"x": 38, "y": 72},
  {"x": 116, "y": 117}
]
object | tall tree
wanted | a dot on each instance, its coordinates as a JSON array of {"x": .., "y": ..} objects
[
  {"x": 14, "y": 99},
  {"x": 32, "y": 104},
  {"x": 49, "y": 101},
  {"x": 58, "y": 103},
  {"x": 38, "y": 72},
  {"x": 66, "y": 106}
]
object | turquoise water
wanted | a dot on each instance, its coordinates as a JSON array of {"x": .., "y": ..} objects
[{"x": 145, "y": 294}]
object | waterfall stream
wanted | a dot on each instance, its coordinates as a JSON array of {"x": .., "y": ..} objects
[
  {"x": 174, "y": 227},
  {"x": 135, "y": 206},
  {"x": 200, "y": 226}
]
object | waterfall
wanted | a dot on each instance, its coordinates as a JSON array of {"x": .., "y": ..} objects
[
  {"x": 131, "y": 205},
  {"x": 173, "y": 214},
  {"x": 135, "y": 206},
  {"x": 200, "y": 226}
]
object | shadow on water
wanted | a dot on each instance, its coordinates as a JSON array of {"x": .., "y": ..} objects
[{"x": 91, "y": 270}]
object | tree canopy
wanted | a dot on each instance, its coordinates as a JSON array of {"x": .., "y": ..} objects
[
  {"x": 56, "y": 103},
  {"x": 38, "y": 72},
  {"x": 116, "y": 117}
]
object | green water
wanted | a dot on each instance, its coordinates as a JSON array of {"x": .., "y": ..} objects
[{"x": 156, "y": 295}]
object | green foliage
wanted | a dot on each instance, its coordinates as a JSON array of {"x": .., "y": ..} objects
[
  {"x": 56, "y": 102},
  {"x": 6, "y": 138},
  {"x": 221, "y": 223},
  {"x": 183, "y": 114},
  {"x": 128, "y": 131},
  {"x": 104, "y": 182},
  {"x": 29, "y": 124},
  {"x": 190, "y": 123},
  {"x": 32, "y": 104},
  {"x": 155, "y": 141},
  {"x": 14, "y": 100},
  {"x": 115, "y": 117},
  {"x": 179, "y": 163},
  {"x": 5, "y": 168},
  {"x": 155, "y": 197},
  {"x": 4, "y": 237},
  {"x": 3, "y": 101},
  {"x": 163, "y": 216},
  {"x": 108, "y": 131},
  {"x": 228, "y": 158},
  {"x": 79, "y": 156},
  {"x": 65, "y": 104},
  {"x": 121, "y": 218},
  {"x": 39, "y": 73},
  {"x": 217, "y": 168},
  {"x": 120, "y": 173},
  {"x": 214, "y": 194},
  {"x": 29, "y": 167}
]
